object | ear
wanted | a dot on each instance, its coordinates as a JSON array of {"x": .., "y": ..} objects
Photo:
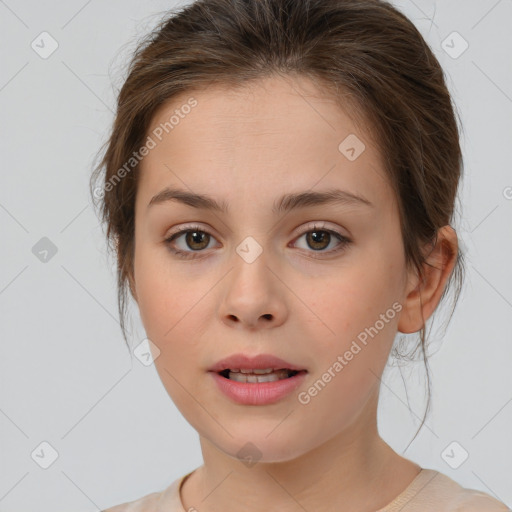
[{"x": 423, "y": 295}]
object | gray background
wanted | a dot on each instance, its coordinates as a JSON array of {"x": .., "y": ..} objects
[{"x": 67, "y": 377}]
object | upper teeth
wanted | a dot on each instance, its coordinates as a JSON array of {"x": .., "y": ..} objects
[{"x": 259, "y": 372}]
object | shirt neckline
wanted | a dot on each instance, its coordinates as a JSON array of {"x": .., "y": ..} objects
[{"x": 421, "y": 480}]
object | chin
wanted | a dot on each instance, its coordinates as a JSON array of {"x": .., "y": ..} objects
[{"x": 257, "y": 446}]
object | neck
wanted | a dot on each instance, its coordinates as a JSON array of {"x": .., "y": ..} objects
[{"x": 354, "y": 470}]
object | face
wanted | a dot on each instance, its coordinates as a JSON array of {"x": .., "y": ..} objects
[{"x": 317, "y": 283}]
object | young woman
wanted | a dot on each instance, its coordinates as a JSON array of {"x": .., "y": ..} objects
[{"x": 279, "y": 187}]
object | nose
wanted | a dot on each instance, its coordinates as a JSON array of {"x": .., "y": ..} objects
[{"x": 254, "y": 296}]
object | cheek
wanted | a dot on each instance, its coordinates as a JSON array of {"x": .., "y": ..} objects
[
  {"x": 162, "y": 298},
  {"x": 171, "y": 310},
  {"x": 358, "y": 311},
  {"x": 167, "y": 312},
  {"x": 169, "y": 315},
  {"x": 353, "y": 300}
]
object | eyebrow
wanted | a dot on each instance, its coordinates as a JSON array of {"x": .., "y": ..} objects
[{"x": 286, "y": 203}]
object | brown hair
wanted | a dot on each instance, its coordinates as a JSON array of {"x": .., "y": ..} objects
[{"x": 365, "y": 53}]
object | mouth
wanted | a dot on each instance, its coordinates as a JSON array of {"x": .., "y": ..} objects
[
  {"x": 256, "y": 376},
  {"x": 253, "y": 369},
  {"x": 269, "y": 386}
]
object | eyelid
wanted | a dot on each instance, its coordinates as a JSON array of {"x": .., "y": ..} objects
[
  {"x": 309, "y": 226},
  {"x": 189, "y": 226},
  {"x": 321, "y": 226},
  {"x": 343, "y": 241}
]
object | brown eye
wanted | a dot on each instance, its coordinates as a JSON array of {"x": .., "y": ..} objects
[
  {"x": 189, "y": 243},
  {"x": 196, "y": 240},
  {"x": 318, "y": 239}
]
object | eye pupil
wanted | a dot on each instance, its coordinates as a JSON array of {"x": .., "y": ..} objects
[
  {"x": 197, "y": 240},
  {"x": 193, "y": 237},
  {"x": 318, "y": 237}
]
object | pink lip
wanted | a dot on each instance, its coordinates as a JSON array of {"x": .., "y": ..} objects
[
  {"x": 258, "y": 362},
  {"x": 258, "y": 393}
]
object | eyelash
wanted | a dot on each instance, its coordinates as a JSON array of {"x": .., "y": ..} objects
[{"x": 344, "y": 241}]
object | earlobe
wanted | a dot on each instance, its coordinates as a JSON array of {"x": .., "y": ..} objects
[{"x": 422, "y": 300}]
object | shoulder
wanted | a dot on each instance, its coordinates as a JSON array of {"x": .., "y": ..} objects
[
  {"x": 475, "y": 501},
  {"x": 168, "y": 500},
  {"x": 461, "y": 499},
  {"x": 145, "y": 504}
]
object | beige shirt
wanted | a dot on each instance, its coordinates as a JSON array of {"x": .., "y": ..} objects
[{"x": 430, "y": 491}]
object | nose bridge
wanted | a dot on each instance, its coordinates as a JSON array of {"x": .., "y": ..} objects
[
  {"x": 251, "y": 268},
  {"x": 252, "y": 293}
]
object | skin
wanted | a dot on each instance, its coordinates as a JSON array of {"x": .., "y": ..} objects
[{"x": 246, "y": 148}]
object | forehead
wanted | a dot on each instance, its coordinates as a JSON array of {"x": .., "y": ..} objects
[{"x": 270, "y": 136}]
